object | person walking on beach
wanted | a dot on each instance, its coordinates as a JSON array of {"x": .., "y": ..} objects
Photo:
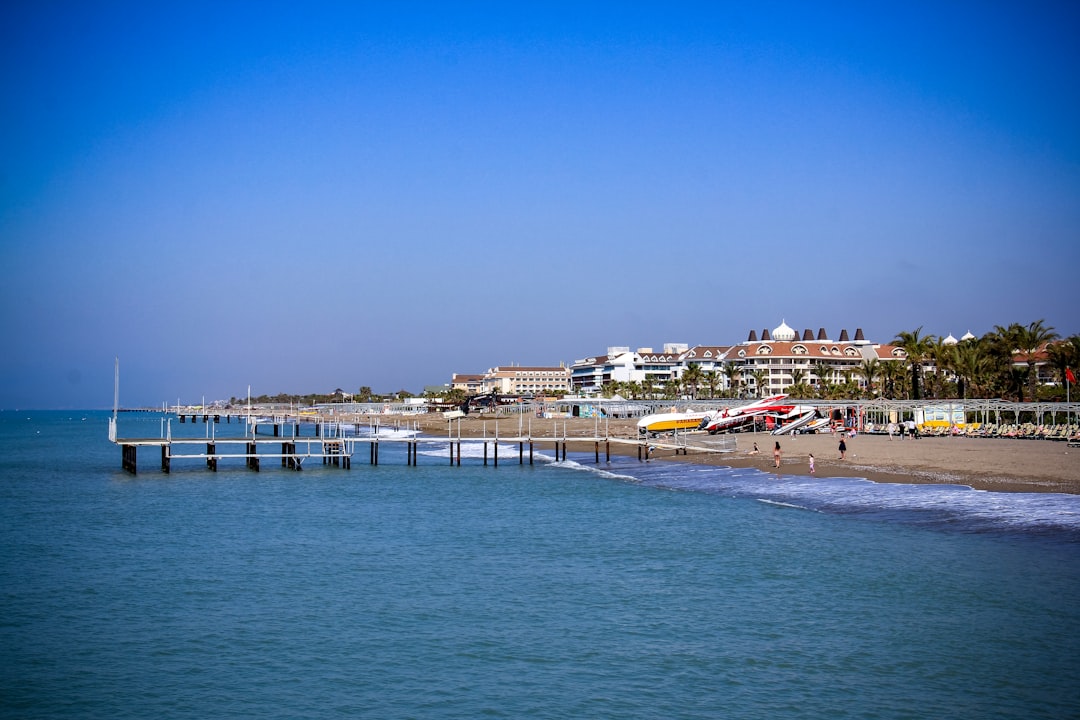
[
  {"x": 843, "y": 447},
  {"x": 812, "y": 462},
  {"x": 776, "y": 454}
]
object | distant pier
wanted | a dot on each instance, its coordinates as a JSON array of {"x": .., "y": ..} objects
[
  {"x": 339, "y": 451},
  {"x": 282, "y": 439}
]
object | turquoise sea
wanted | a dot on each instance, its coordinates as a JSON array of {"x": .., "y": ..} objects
[{"x": 558, "y": 590}]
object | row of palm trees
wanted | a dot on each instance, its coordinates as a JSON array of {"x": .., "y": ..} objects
[
  {"x": 988, "y": 366},
  {"x": 977, "y": 367}
]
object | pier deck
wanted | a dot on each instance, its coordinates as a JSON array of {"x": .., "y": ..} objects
[{"x": 334, "y": 447}]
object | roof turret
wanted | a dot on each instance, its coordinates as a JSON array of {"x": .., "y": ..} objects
[{"x": 784, "y": 333}]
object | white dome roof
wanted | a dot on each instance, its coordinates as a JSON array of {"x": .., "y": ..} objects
[
  {"x": 949, "y": 340},
  {"x": 968, "y": 336},
  {"x": 783, "y": 333}
]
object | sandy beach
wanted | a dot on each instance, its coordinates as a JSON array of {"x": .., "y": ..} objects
[{"x": 1000, "y": 464}]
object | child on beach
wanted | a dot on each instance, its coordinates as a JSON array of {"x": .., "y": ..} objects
[
  {"x": 843, "y": 447},
  {"x": 811, "y": 463},
  {"x": 776, "y": 454}
]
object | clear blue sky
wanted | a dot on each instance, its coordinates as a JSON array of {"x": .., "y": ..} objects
[{"x": 306, "y": 196}]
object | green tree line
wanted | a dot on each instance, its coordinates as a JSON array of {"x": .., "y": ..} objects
[{"x": 981, "y": 367}]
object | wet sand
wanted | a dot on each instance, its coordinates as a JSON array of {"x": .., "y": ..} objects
[{"x": 1000, "y": 464}]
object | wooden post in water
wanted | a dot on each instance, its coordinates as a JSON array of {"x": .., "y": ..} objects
[
  {"x": 607, "y": 450},
  {"x": 165, "y": 463},
  {"x": 127, "y": 458},
  {"x": 485, "y": 453},
  {"x": 596, "y": 447},
  {"x": 211, "y": 462}
]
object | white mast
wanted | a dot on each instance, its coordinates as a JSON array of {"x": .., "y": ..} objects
[{"x": 116, "y": 388}]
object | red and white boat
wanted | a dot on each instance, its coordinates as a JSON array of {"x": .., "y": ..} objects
[{"x": 735, "y": 417}]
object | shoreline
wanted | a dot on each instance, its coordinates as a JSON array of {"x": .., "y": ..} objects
[{"x": 991, "y": 464}]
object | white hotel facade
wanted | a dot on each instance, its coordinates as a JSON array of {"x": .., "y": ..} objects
[{"x": 777, "y": 354}]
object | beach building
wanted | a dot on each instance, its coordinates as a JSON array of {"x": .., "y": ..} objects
[
  {"x": 759, "y": 366},
  {"x": 1045, "y": 371},
  {"x": 775, "y": 361},
  {"x": 706, "y": 358},
  {"x": 620, "y": 364},
  {"x": 471, "y": 384},
  {"x": 525, "y": 380}
]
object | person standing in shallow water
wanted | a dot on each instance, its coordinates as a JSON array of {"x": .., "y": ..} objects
[
  {"x": 776, "y": 454},
  {"x": 843, "y": 447},
  {"x": 812, "y": 462}
]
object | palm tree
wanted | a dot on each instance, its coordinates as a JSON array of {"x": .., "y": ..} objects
[
  {"x": 942, "y": 356},
  {"x": 1003, "y": 344},
  {"x": 1030, "y": 340},
  {"x": 971, "y": 364},
  {"x": 822, "y": 371},
  {"x": 899, "y": 380},
  {"x": 798, "y": 377},
  {"x": 917, "y": 349},
  {"x": 732, "y": 372},
  {"x": 870, "y": 368},
  {"x": 691, "y": 379},
  {"x": 1016, "y": 379},
  {"x": 760, "y": 376},
  {"x": 1065, "y": 355},
  {"x": 711, "y": 378}
]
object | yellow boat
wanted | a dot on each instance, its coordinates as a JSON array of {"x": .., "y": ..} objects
[{"x": 669, "y": 422}]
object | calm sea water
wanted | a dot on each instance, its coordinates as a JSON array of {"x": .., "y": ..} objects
[{"x": 556, "y": 590}]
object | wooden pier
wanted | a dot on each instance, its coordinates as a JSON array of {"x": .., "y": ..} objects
[
  {"x": 283, "y": 440},
  {"x": 338, "y": 451}
]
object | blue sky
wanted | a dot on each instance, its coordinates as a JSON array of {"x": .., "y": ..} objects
[{"x": 301, "y": 198}]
